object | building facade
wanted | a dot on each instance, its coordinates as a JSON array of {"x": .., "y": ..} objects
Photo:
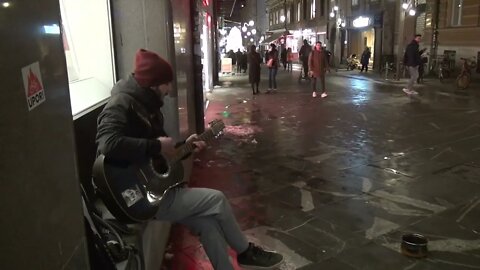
[
  {"x": 372, "y": 24},
  {"x": 347, "y": 27},
  {"x": 292, "y": 21},
  {"x": 452, "y": 27}
]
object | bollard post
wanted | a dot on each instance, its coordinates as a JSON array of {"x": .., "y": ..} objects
[{"x": 386, "y": 70}]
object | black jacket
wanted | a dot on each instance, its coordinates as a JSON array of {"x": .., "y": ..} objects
[
  {"x": 412, "y": 55},
  {"x": 129, "y": 124},
  {"x": 305, "y": 52}
]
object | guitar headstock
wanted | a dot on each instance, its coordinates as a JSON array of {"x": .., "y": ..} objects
[{"x": 216, "y": 126}]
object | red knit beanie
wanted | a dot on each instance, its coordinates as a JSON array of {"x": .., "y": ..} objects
[{"x": 151, "y": 69}]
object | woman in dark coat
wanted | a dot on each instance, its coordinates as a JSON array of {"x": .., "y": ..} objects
[
  {"x": 365, "y": 59},
  {"x": 254, "y": 61}
]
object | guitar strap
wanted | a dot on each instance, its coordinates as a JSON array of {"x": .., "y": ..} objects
[
  {"x": 108, "y": 246},
  {"x": 152, "y": 121},
  {"x": 100, "y": 257}
]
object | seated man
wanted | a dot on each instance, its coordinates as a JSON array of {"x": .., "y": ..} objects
[{"x": 124, "y": 136}]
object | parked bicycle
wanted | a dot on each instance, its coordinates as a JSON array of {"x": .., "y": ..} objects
[
  {"x": 465, "y": 76},
  {"x": 389, "y": 71}
]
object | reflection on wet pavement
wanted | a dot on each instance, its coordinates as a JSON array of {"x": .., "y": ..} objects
[{"x": 333, "y": 183}]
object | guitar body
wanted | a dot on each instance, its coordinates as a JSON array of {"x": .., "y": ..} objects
[{"x": 133, "y": 192}]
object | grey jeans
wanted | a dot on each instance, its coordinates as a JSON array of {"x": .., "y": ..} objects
[
  {"x": 413, "y": 71},
  {"x": 207, "y": 213}
]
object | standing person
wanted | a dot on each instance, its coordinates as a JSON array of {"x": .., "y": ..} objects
[
  {"x": 365, "y": 59},
  {"x": 303, "y": 55},
  {"x": 283, "y": 57},
  {"x": 272, "y": 64},
  {"x": 238, "y": 55},
  {"x": 289, "y": 60},
  {"x": 412, "y": 61},
  {"x": 231, "y": 54},
  {"x": 254, "y": 61},
  {"x": 318, "y": 66},
  {"x": 130, "y": 130},
  {"x": 245, "y": 61}
]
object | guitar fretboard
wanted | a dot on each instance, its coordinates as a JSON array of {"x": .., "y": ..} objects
[{"x": 188, "y": 147}]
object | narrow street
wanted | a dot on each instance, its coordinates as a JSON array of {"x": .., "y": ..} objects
[{"x": 334, "y": 183}]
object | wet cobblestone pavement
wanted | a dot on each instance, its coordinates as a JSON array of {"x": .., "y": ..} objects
[{"x": 334, "y": 183}]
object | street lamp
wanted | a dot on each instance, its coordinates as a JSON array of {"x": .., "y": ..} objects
[
  {"x": 409, "y": 6},
  {"x": 251, "y": 23},
  {"x": 406, "y": 6}
]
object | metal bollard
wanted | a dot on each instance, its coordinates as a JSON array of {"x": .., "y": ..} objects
[{"x": 386, "y": 70}]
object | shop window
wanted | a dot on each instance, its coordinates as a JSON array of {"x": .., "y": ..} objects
[
  {"x": 457, "y": 12},
  {"x": 88, "y": 52}
]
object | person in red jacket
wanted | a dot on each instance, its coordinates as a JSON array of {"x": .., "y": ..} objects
[{"x": 318, "y": 66}]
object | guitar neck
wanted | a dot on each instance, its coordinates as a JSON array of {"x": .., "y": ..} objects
[{"x": 188, "y": 147}]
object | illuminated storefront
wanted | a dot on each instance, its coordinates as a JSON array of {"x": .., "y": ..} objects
[{"x": 361, "y": 35}]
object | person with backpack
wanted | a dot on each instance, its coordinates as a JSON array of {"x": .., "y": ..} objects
[{"x": 304, "y": 53}]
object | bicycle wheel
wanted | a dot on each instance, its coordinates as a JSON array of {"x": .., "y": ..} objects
[
  {"x": 440, "y": 76},
  {"x": 463, "y": 81}
]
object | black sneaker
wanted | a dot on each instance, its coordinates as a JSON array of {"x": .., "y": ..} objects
[{"x": 257, "y": 258}]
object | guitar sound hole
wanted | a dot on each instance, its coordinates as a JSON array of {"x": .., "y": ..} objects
[{"x": 160, "y": 165}]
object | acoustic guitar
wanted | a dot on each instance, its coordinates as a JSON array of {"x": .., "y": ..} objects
[{"x": 132, "y": 192}]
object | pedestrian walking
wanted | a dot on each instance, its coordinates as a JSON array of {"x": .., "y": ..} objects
[
  {"x": 272, "y": 65},
  {"x": 283, "y": 58},
  {"x": 244, "y": 62},
  {"x": 303, "y": 55},
  {"x": 365, "y": 59},
  {"x": 289, "y": 60},
  {"x": 318, "y": 66},
  {"x": 254, "y": 61},
  {"x": 238, "y": 55},
  {"x": 412, "y": 61}
]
